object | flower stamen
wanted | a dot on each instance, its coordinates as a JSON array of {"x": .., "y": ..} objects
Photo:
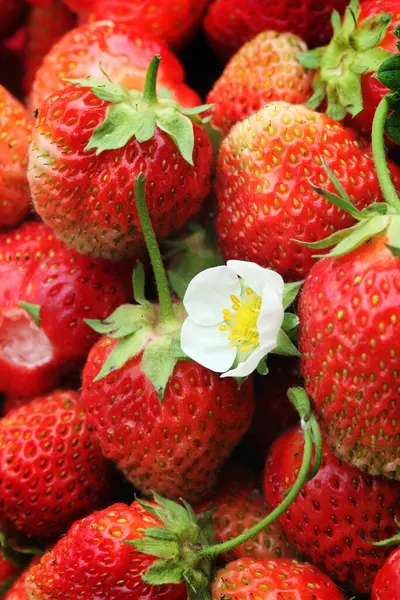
[{"x": 242, "y": 324}]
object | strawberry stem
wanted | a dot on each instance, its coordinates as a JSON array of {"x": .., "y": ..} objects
[
  {"x": 378, "y": 150},
  {"x": 149, "y": 92},
  {"x": 164, "y": 296}
]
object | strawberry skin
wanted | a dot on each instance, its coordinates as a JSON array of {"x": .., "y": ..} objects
[
  {"x": 387, "y": 582},
  {"x": 349, "y": 313},
  {"x": 237, "y": 503},
  {"x": 93, "y": 561},
  {"x": 175, "y": 447},
  {"x": 231, "y": 23},
  {"x": 265, "y": 69},
  {"x": 18, "y": 591},
  {"x": 97, "y": 215},
  {"x": 173, "y": 22},
  {"x": 51, "y": 471},
  {"x": 249, "y": 578},
  {"x": 336, "y": 514},
  {"x": 15, "y": 134},
  {"x": 264, "y": 198},
  {"x": 122, "y": 54},
  {"x": 37, "y": 268}
]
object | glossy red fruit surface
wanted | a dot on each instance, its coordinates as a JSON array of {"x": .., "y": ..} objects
[{"x": 387, "y": 582}]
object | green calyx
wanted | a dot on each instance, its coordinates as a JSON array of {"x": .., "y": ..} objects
[
  {"x": 131, "y": 114},
  {"x": 389, "y": 74},
  {"x": 185, "y": 547},
  {"x": 33, "y": 310},
  {"x": 353, "y": 51}
]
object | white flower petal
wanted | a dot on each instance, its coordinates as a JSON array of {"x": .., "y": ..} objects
[
  {"x": 256, "y": 277},
  {"x": 208, "y": 346},
  {"x": 250, "y": 364},
  {"x": 209, "y": 293},
  {"x": 271, "y": 316}
]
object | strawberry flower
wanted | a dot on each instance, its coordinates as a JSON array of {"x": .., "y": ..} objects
[{"x": 235, "y": 318}]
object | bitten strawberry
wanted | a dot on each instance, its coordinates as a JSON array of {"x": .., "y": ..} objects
[
  {"x": 15, "y": 134},
  {"x": 51, "y": 470},
  {"x": 60, "y": 288},
  {"x": 264, "y": 197},
  {"x": 123, "y": 55},
  {"x": 265, "y": 69},
  {"x": 231, "y": 23},
  {"x": 249, "y": 578},
  {"x": 387, "y": 582},
  {"x": 336, "y": 515},
  {"x": 125, "y": 134}
]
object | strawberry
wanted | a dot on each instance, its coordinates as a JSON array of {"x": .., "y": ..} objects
[
  {"x": 46, "y": 25},
  {"x": 15, "y": 133},
  {"x": 346, "y": 67},
  {"x": 264, "y": 198},
  {"x": 127, "y": 134},
  {"x": 51, "y": 471},
  {"x": 387, "y": 582},
  {"x": 122, "y": 54},
  {"x": 237, "y": 504},
  {"x": 63, "y": 288},
  {"x": 18, "y": 591},
  {"x": 248, "y": 578},
  {"x": 336, "y": 515},
  {"x": 265, "y": 69},
  {"x": 231, "y": 23},
  {"x": 173, "y": 22},
  {"x": 93, "y": 556}
]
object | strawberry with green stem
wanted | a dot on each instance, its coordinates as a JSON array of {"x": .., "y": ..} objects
[{"x": 387, "y": 581}]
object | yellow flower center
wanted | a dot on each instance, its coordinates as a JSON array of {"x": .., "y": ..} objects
[{"x": 241, "y": 321}]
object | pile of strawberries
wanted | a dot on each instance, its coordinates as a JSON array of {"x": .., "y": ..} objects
[{"x": 134, "y": 464}]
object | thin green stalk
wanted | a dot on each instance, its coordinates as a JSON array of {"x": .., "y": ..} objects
[
  {"x": 317, "y": 439},
  {"x": 164, "y": 296},
  {"x": 150, "y": 86},
  {"x": 212, "y": 551},
  {"x": 378, "y": 150},
  {"x": 393, "y": 541}
]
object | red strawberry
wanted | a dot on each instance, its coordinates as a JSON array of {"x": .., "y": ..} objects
[
  {"x": 174, "y": 21},
  {"x": 88, "y": 197},
  {"x": 349, "y": 314},
  {"x": 249, "y": 578},
  {"x": 175, "y": 447},
  {"x": 93, "y": 559},
  {"x": 51, "y": 471},
  {"x": 47, "y": 24},
  {"x": 264, "y": 197},
  {"x": 15, "y": 133},
  {"x": 238, "y": 504},
  {"x": 8, "y": 572},
  {"x": 387, "y": 582},
  {"x": 38, "y": 269},
  {"x": 123, "y": 55},
  {"x": 231, "y": 23},
  {"x": 263, "y": 70},
  {"x": 348, "y": 93},
  {"x": 18, "y": 590},
  {"x": 337, "y": 513}
]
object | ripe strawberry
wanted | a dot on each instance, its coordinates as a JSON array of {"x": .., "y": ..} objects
[
  {"x": 18, "y": 591},
  {"x": 15, "y": 133},
  {"x": 173, "y": 22},
  {"x": 387, "y": 582},
  {"x": 337, "y": 513},
  {"x": 93, "y": 556},
  {"x": 366, "y": 36},
  {"x": 47, "y": 24},
  {"x": 122, "y": 54},
  {"x": 51, "y": 471},
  {"x": 349, "y": 312},
  {"x": 38, "y": 269},
  {"x": 238, "y": 504},
  {"x": 264, "y": 198},
  {"x": 175, "y": 447},
  {"x": 248, "y": 578},
  {"x": 265, "y": 69},
  {"x": 97, "y": 215},
  {"x": 231, "y": 23}
]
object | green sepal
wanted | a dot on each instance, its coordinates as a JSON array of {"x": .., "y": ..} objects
[
  {"x": 301, "y": 402},
  {"x": 393, "y": 235},
  {"x": 285, "y": 346},
  {"x": 215, "y": 136},
  {"x": 262, "y": 368},
  {"x": 290, "y": 292},
  {"x": 160, "y": 533},
  {"x": 164, "y": 571},
  {"x": 196, "y": 110},
  {"x": 104, "y": 89},
  {"x": 124, "y": 321},
  {"x": 158, "y": 363},
  {"x": 312, "y": 58},
  {"x": 329, "y": 241},
  {"x": 159, "y": 548},
  {"x": 138, "y": 284},
  {"x": 360, "y": 234},
  {"x": 119, "y": 126},
  {"x": 319, "y": 94},
  {"x": 125, "y": 349},
  {"x": 370, "y": 60},
  {"x": 290, "y": 321},
  {"x": 33, "y": 310},
  {"x": 180, "y": 130},
  {"x": 371, "y": 32},
  {"x": 349, "y": 93}
]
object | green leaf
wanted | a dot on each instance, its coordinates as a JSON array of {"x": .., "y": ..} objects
[
  {"x": 158, "y": 364},
  {"x": 300, "y": 400},
  {"x": 159, "y": 548},
  {"x": 180, "y": 129},
  {"x": 369, "y": 61},
  {"x": 389, "y": 72},
  {"x": 290, "y": 292},
  {"x": 160, "y": 533},
  {"x": 196, "y": 109},
  {"x": 164, "y": 571},
  {"x": 138, "y": 281},
  {"x": 312, "y": 58},
  {"x": 361, "y": 234},
  {"x": 331, "y": 240},
  {"x": 372, "y": 31},
  {"x": 125, "y": 349},
  {"x": 102, "y": 88},
  {"x": 117, "y": 129},
  {"x": 125, "y": 320},
  {"x": 290, "y": 321},
  {"x": 285, "y": 346},
  {"x": 33, "y": 310},
  {"x": 392, "y": 126}
]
